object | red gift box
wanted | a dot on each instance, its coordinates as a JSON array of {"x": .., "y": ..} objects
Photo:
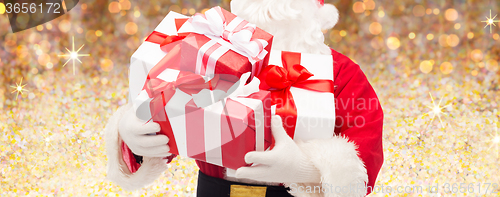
[
  {"x": 230, "y": 138},
  {"x": 210, "y": 53},
  {"x": 240, "y": 126},
  {"x": 222, "y": 132},
  {"x": 233, "y": 48}
]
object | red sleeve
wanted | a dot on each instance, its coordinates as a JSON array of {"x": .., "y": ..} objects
[
  {"x": 359, "y": 115},
  {"x": 131, "y": 159}
]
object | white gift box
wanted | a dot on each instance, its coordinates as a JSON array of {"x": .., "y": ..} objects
[
  {"x": 315, "y": 110},
  {"x": 148, "y": 55}
]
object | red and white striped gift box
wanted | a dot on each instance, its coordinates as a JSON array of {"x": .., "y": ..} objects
[
  {"x": 223, "y": 43},
  {"x": 220, "y": 133}
]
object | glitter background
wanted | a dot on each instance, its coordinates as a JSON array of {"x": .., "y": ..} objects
[{"x": 51, "y": 140}]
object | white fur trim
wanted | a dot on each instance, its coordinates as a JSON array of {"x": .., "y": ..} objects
[
  {"x": 328, "y": 15},
  {"x": 117, "y": 170},
  {"x": 338, "y": 162}
]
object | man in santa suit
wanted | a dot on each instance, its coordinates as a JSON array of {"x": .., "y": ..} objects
[{"x": 347, "y": 164}]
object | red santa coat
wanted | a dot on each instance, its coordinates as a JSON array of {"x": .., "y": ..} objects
[
  {"x": 352, "y": 84},
  {"x": 359, "y": 120}
]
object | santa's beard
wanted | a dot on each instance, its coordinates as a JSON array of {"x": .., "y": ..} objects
[{"x": 293, "y": 23}]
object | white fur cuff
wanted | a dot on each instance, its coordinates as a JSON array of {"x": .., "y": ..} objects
[
  {"x": 342, "y": 171},
  {"x": 117, "y": 170}
]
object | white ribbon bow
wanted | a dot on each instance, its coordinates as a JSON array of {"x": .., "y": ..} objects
[
  {"x": 239, "y": 89},
  {"x": 238, "y": 32}
]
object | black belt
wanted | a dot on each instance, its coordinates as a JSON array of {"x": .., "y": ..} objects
[{"x": 214, "y": 187}]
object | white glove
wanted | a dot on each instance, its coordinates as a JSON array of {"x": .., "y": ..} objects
[
  {"x": 285, "y": 163},
  {"x": 140, "y": 136}
]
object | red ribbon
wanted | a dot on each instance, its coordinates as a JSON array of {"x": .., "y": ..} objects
[
  {"x": 164, "y": 40},
  {"x": 279, "y": 80}
]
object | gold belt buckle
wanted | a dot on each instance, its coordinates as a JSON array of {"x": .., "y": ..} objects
[{"x": 247, "y": 191}]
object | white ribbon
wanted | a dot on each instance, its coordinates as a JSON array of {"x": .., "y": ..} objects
[
  {"x": 238, "y": 32},
  {"x": 207, "y": 97},
  {"x": 215, "y": 101}
]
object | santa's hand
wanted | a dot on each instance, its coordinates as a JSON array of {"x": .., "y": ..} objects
[
  {"x": 285, "y": 163},
  {"x": 141, "y": 137}
]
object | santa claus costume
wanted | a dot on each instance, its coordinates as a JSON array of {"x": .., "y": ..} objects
[{"x": 347, "y": 164}]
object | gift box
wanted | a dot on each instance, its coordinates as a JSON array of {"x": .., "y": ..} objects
[
  {"x": 162, "y": 91},
  {"x": 238, "y": 37},
  {"x": 150, "y": 53},
  {"x": 215, "y": 121},
  {"x": 222, "y": 132},
  {"x": 302, "y": 92},
  {"x": 223, "y": 43}
]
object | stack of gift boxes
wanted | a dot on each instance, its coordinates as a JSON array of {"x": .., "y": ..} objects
[{"x": 212, "y": 82}]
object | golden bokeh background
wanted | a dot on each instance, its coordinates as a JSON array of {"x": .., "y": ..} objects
[{"x": 51, "y": 139}]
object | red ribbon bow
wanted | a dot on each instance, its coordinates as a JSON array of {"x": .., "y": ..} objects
[{"x": 279, "y": 80}]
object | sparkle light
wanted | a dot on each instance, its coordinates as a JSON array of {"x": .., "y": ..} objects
[
  {"x": 375, "y": 28},
  {"x": 358, "y": 7},
  {"x": 19, "y": 88},
  {"x": 393, "y": 43},
  {"x": 137, "y": 14},
  {"x": 426, "y": 66},
  {"x": 490, "y": 21},
  {"x": 131, "y": 28},
  {"x": 381, "y": 13},
  {"x": 411, "y": 35},
  {"x": 451, "y": 14},
  {"x": 430, "y": 36},
  {"x": 446, "y": 68},
  {"x": 369, "y": 4},
  {"x": 436, "y": 110},
  {"x": 114, "y": 7},
  {"x": 2, "y": 8},
  {"x": 496, "y": 36},
  {"x": 73, "y": 55},
  {"x": 435, "y": 11},
  {"x": 476, "y": 55},
  {"x": 470, "y": 35},
  {"x": 343, "y": 33}
]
